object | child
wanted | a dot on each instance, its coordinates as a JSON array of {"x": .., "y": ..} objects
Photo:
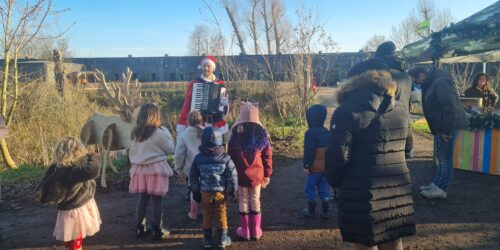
[
  {"x": 212, "y": 175},
  {"x": 69, "y": 182},
  {"x": 250, "y": 148},
  {"x": 186, "y": 149},
  {"x": 315, "y": 142},
  {"x": 150, "y": 171}
]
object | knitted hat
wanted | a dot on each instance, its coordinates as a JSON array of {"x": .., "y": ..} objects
[
  {"x": 207, "y": 59},
  {"x": 249, "y": 112},
  {"x": 210, "y": 137},
  {"x": 385, "y": 49},
  {"x": 370, "y": 64}
]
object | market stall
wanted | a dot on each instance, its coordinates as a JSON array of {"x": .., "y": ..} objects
[{"x": 474, "y": 39}]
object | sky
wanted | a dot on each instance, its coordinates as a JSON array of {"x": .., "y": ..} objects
[{"x": 112, "y": 28}]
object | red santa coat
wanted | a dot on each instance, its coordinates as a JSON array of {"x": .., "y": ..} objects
[{"x": 186, "y": 107}]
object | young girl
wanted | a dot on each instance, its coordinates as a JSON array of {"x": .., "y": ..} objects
[
  {"x": 186, "y": 149},
  {"x": 250, "y": 149},
  {"x": 150, "y": 171},
  {"x": 69, "y": 183}
]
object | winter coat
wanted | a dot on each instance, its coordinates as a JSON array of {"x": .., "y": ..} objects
[
  {"x": 186, "y": 149},
  {"x": 403, "y": 90},
  {"x": 489, "y": 96},
  {"x": 315, "y": 138},
  {"x": 68, "y": 186},
  {"x": 441, "y": 105},
  {"x": 365, "y": 158},
  {"x": 251, "y": 151},
  {"x": 154, "y": 149},
  {"x": 213, "y": 172}
]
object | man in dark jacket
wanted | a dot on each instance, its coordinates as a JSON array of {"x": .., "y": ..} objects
[
  {"x": 445, "y": 115},
  {"x": 387, "y": 52},
  {"x": 365, "y": 158}
]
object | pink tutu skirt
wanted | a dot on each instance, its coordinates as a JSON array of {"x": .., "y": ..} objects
[
  {"x": 150, "y": 178},
  {"x": 84, "y": 221}
]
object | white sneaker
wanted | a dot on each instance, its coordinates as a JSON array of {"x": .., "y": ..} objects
[
  {"x": 436, "y": 193},
  {"x": 428, "y": 187}
]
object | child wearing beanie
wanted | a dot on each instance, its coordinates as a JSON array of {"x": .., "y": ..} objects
[{"x": 250, "y": 149}]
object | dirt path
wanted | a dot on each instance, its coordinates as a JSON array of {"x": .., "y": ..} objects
[{"x": 468, "y": 219}]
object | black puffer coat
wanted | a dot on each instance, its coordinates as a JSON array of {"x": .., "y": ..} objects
[{"x": 365, "y": 158}]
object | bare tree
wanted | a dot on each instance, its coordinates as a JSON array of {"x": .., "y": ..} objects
[
  {"x": 267, "y": 26},
  {"x": 420, "y": 23},
  {"x": 277, "y": 14},
  {"x": 251, "y": 21},
  {"x": 198, "y": 40},
  {"x": 373, "y": 42},
  {"x": 21, "y": 23},
  {"x": 462, "y": 75},
  {"x": 231, "y": 10}
]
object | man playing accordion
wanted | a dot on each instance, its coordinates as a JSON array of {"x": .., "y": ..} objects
[{"x": 206, "y": 94}]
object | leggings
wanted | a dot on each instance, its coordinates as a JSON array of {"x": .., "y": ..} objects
[
  {"x": 143, "y": 206},
  {"x": 249, "y": 199}
]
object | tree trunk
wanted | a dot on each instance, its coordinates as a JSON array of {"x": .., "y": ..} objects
[
  {"x": 16, "y": 89},
  {"x": 275, "y": 19},
  {"x": 236, "y": 31},
  {"x": 7, "y": 159},
  {"x": 266, "y": 27},
  {"x": 253, "y": 28}
]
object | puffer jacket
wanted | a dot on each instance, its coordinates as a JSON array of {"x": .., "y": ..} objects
[
  {"x": 68, "y": 186},
  {"x": 441, "y": 105},
  {"x": 213, "y": 173},
  {"x": 316, "y": 137},
  {"x": 365, "y": 158}
]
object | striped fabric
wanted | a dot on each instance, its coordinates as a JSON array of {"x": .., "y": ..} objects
[{"x": 478, "y": 151}]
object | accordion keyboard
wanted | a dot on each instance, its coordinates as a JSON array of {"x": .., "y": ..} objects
[{"x": 197, "y": 98}]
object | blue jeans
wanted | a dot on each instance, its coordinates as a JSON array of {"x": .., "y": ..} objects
[
  {"x": 444, "y": 153},
  {"x": 317, "y": 181}
]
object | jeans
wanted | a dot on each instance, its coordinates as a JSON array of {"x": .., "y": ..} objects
[
  {"x": 444, "y": 153},
  {"x": 317, "y": 181}
]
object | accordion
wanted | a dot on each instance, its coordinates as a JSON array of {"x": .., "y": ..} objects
[{"x": 206, "y": 98}]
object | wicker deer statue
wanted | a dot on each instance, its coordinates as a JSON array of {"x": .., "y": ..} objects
[{"x": 113, "y": 132}]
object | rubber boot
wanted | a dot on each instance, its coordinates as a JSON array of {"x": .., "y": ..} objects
[
  {"x": 310, "y": 211},
  {"x": 255, "y": 222},
  {"x": 193, "y": 214},
  {"x": 160, "y": 233},
  {"x": 244, "y": 231},
  {"x": 207, "y": 238},
  {"x": 225, "y": 240},
  {"x": 325, "y": 215}
]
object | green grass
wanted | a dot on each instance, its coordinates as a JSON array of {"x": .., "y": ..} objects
[
  {"x": 420, "y": 126},
  {"x": 23, "y": 174}
]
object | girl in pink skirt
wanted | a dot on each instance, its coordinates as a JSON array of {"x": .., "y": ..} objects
[
  {"x": 70, "y": 184},
  {"x": 150, "y": 171}
]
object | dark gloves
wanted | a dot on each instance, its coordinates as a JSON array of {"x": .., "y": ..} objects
[{"x": 197, "y": 196}]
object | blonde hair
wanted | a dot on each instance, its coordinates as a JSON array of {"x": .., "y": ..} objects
[{"x": 69, "y": 151}]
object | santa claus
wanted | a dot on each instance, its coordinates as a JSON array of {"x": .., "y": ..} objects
[{"x": 207, "y": 66}]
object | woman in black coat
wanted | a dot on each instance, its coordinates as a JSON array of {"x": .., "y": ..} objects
[{"x": 365, "y": 158}]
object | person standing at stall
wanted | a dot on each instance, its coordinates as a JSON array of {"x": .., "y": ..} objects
[
  {"x": 445, "y": 115},
  {"x": 481, "y": 88}
]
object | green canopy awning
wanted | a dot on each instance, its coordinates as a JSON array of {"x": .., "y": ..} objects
[{"x": 476, "y": 34}]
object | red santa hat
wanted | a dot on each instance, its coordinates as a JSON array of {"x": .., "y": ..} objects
[{"x": 207, "y": 59}]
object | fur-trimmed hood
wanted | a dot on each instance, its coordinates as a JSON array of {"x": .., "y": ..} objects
[{"x": 368, "y": 88}]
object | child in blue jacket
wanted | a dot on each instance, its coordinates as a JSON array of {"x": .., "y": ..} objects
[{"x": 315, "y": 142}]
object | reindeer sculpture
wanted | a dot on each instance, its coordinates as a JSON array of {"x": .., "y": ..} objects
[{"x": 113, "y": 132}]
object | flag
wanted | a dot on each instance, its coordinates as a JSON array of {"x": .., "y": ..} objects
[{"x": 423, "y": 26}]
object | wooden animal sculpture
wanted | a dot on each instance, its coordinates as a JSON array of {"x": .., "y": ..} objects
[{"x": 112, "y": 132}]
